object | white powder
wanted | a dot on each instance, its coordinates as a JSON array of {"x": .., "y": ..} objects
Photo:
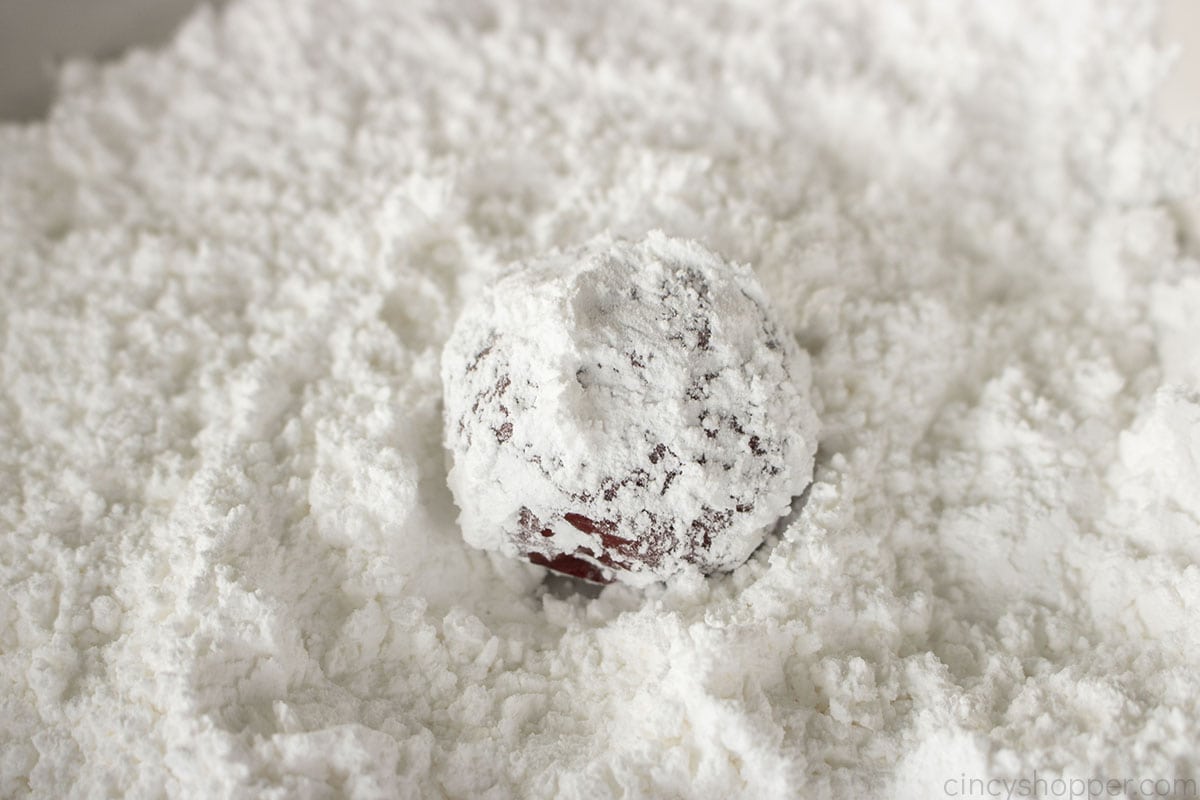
[
  {"x": 626, "y": 411},
  {"x": 228, "y": 553}
]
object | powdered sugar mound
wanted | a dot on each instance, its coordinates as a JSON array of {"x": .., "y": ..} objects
[
  {"x": 625, "y": 410},
  {"x": 229, "y": 561}
]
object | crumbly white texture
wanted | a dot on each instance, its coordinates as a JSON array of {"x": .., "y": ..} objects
[
  {"x": 228, "y": 555},
  {"x": 632, "y": 405}
]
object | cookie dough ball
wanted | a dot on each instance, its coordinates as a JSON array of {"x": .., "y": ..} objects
[{"x": 625, "y": 410}]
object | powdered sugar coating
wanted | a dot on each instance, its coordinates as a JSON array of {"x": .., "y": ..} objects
[{"x": 624, "y": 410}]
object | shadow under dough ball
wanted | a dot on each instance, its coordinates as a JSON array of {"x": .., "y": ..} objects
[{"x": 625, "y": 410}]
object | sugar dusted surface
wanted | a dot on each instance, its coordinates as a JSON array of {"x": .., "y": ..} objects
[{"x": 229, "y": 560}]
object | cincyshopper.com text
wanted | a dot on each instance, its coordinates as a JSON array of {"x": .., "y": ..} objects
[{"x": 1044, "y": 788}]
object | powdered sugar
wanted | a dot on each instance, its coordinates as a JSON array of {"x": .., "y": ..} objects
[
  {"x": 230, "y": 563},
  {"x": 626, "y": 411}
]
